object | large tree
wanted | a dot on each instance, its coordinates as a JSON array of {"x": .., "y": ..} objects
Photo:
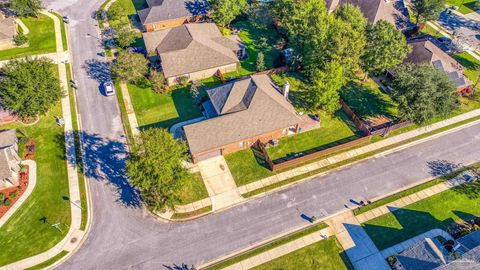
[
  {"x": 225, "y": 11},
  {"x": 155, "y": 168},
  {"x": 423, "y": 92},
  {"x": 425, "y": 10},
  {"x": 353, "y": 15},
  {"x": 324, "y": 90},
  {"x": 29, "y": 87},
  {"x": 124, "y": 36},
  {"x": 386, "y": 48},
  {"x": 26, "y": 7},
  {"x": 130, "y": 66}
]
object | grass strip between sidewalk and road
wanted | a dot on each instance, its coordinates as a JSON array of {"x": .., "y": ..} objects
[
  {"x": 123, "y": 113},
  {"x": 268, "y": 246},
  {"x": 49, "y": 262},
  {"x": 355, "y": 159},
  {"x": 195, "y": 213}
]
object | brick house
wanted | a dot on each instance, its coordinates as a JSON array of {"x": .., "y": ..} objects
[
  {"x": 242, "y": 112},
  {"x": 9, "y": 159},
  {"x": 163, "y": 14},
  {"x": 194, "y": 51}
]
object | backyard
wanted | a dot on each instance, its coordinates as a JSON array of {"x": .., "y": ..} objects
[
  {"x": 325, "y": 254},
  {"x": 464, "y": 6},
  {"x": 471, "y": 65},
  {"x": 439, "y": 211},
  {"x": 29, "y": 231},
  {"x": 41, "y": 38}
]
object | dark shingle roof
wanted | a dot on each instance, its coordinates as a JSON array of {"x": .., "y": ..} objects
[
  {"x": 163, "y": 10},
  {"x": 250, "y": 107},
  {"x": 192, "y": 47},
  {"x": 426, "y": 255}
]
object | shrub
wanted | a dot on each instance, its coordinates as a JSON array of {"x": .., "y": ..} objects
[
  {"x": 260, "y": 63},
  {"x": 159, "y": 84},
  {"x": 183, "y": 80},
  {"x": 195, "y": 94},
  {"x": 13, "y": 194},
  {"x": 2, "y": 198},
  {"x": 20, "y": 39},
  {"x": 7, "y": 202}
]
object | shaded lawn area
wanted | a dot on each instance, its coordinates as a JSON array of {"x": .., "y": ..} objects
[
  {"x": 439, "y": 211},
  {"x": 464, "y": 6},
  {"x": 130, "y": 7},
  {"x": 162, "y": 110},
  {"x": 258, "y": 40},
  {"x": 334, "y": 130},
  {"x": 367, "y": 100},
  {"x": 41, "y": 38},
  {"x": 471, "y": 65},
  {"x": 326, "y": 254},
  {"x": 25, "y": 234},
  {"x": 194, "y": 189},
  {"x": 428, "y": 30}
]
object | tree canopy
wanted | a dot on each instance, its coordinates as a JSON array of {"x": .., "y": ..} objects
[
  {"x": 324, "y": 90},
  {"x": 26, "y": 7},
  {"x": 353, "y": 15},
  {"x": 130, "y": 66},
  {"x": 425, "y": 10},
  {"x": 385, "y": 49},
  {"x": 225, "y": 11},
  {"x": 124, "y": 36},
  {"x": 29, "y": 86},
  {"x": 423, "y": 92},
  {"x": 155, "y": 168}
]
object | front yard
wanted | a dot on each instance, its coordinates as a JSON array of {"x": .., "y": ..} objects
[
  {"x": 439, "y": 211},
  {"x": 41, "y": 38},
  {"x": 471, "y": 65},
  {"x": 464, "y": 6},
  {"x": 325, "y": 254},
  {"x": 25, "y": 234}
]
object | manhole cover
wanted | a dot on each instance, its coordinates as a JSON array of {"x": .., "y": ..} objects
[{"x": 73, "y": 240}]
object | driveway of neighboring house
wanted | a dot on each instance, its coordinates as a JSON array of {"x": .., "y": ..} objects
[
  {"x": 466, "y": 30},
  {"x": 219, "y": 182}
]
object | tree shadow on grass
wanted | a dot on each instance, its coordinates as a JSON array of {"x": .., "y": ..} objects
[{"x": 104, "y": 161}]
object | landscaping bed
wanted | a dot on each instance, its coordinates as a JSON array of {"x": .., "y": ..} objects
[
  {"x": 41, "y": 38},
  {"x": 442, "y": 211},
  {"x": 9, "y": 196}
]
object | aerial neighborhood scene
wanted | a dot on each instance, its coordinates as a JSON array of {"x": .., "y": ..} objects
[{"x": 240, "y": 134}]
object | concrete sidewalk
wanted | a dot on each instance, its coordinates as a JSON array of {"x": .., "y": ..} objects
[{"x": 132, "y": 118}]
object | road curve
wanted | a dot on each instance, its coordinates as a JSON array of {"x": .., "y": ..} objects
[{"x": 124, "y": 236}]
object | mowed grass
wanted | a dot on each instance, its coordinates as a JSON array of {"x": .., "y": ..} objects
[
  {"x": 439, "y": 211},
  {"x": 464, "y": 6},
  {"x": 162, "y": 110},
  {"x": 326, "y": 254},
  {"x": 471, "y": 65},
  {"x": 24, "y": 234},
  {"x": 334, "y": 130},
  {"x": 193, "y": 190},
  {"x": 41, "y": 38}
]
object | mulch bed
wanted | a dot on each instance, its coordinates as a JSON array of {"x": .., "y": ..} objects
[{"x": 20, "y": 189}]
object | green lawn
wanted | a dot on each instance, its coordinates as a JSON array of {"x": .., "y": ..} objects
[
  {"x": 428, "y": 30},
  {"x": 326, "y": 254},
  {"x": 49, "y": 262},
  {"x": 41, "y": 38},
  {"x": 367, "y": 100},
  {"x": 334, "y": 130},
  {"x": 194, "y": 189},
  {"x": 258, "y": 39},
  {"x": 439, "y": 211},
  {"x": 465, "y": 6},
  {"x": 25, "y": 234},
  {"x": 471, "y": 65}
]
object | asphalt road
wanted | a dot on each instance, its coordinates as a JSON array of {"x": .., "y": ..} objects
[{"x": 124, "y": 236}]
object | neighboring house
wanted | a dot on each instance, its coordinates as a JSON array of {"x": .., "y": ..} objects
[
  {"x": 162, "y": 14},
  {"x": 242, "y": 112},
  {"x": 425, "y": 51},
  {"x": 392, "y": 11},
  {"x": 195, "y": 51},
  {"x": 431, "y": 255},
  {"x": 9, "y": 159},
  {"x": 8, "y": 29}
]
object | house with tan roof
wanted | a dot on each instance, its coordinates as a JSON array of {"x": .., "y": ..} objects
[
  {"x": 242, "y": 112},
  {"x": 9, "y": 159},
  {"x": 194, "y": 51},
  {"x": 8, "y": 29},
  {"x": 392, "y": 11},
  {"x": 425, "y": 51},
  {"x": 162, "y": 14}
]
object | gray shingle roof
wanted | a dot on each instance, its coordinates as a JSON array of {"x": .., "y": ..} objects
[
  {"x": 425, "y": 51},
  {"x": 426, "y": 255},
  {"x": 8, "y": 138},
  {"x": 251, "y": 107},
  {"x": 163, "y": 10},
  {"x": 192, "y": 47},
  {"x": 7, "y": 27}
]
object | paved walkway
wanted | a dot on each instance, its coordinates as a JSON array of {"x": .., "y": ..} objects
[
  {"x": 359, "y": 151},
  {"x": 471, "y": 16},
  {"x": 219, "y": 183},
  {"x": 280, "y": 251},
  {"x": 414, "y": 241},
  {"x": 56, "y": 57},
  {"x": 32, "y": 181},
  {"x": 72, "y": 239}
]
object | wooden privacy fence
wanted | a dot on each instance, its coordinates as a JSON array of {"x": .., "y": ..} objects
[
  {"x": 304, "y": 158},
  {"x": 359, "y": 123}
]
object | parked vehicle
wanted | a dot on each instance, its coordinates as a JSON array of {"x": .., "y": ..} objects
[
  {"x": 109, "y": 88},
  {"x": 66, "y": 19}
]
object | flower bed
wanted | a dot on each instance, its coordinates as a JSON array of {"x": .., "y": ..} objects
[{"x": 10, "y": 195}]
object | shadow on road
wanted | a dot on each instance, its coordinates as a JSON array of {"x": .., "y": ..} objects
[
  {"x": 98, "y": 70},
  {"x": 439, "y": 168}
]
